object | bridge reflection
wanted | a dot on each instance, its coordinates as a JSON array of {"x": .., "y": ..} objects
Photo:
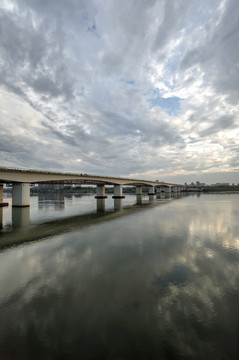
[
  {"x": 33, "y": 232},
  {"x": 21, "y": 217}
]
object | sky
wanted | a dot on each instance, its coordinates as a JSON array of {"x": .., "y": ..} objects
[{"x": 145, "y": 89}]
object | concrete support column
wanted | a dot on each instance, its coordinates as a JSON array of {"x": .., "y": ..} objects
[
  {"x": 100, "y": 192},
  {"x": 118, "y": 193},
  {"x": 151, "y": 190},
  {"x": 151, "y": 193},
  {"x": 1, "y": 197},
  {"x": 139, "y": 190},
  {"x": 1, "y": 216},
  {"x": 167, "y": 189},
  {"x": 21, "y": 194},
  {"x": 118, "y": 203},
  {"x": 1, "y": 205},
  {"x": 158, "y": 192},
  {"x": 139, "y": 195},
  {"x": 167, "y": 192},
  {"x": 163, "y": 195},
  {"x": 1, "y": 193}
]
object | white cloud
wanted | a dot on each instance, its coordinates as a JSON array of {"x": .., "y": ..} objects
[{"x": 77, "y": 79}]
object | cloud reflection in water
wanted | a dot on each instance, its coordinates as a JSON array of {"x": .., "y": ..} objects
[{"x": 160, "y": 283}]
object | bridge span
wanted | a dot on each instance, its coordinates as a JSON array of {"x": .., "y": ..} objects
[{"x": 21, "y": 179}]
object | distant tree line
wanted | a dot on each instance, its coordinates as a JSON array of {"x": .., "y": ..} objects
[{"x": 221, "y": 188}]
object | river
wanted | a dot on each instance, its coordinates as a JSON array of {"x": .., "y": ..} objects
[{"x": 156, "y": 280}]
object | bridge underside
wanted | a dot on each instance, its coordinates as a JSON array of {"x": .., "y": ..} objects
[{"x": 22, "y": 179}]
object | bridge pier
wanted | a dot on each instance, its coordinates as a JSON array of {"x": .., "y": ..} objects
[
  {"x": 151, "y": 190},
  {"x": 118, "y": 203},
  {"x": 168, "y": 189},
  {"x": 151, "y": 193},
  {"x": 100, "y": 192},
  {"x": 1, "y": 193},
  {"x": 139, "y": 190},
  {"x": 166, "y": 192},
  {"x": 21, "y": 194},
  {"x": 139, "y": 194},
  {"x": 118, "y": 192},
  {"x": 1, "y": 205},
  {"x": 158, "y": 192},
  {"x": 1, "y": 197},
  {"x": 1, "y": 216}
]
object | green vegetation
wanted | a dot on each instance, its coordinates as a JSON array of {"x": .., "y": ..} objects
[{"x": 221, "y": 188}]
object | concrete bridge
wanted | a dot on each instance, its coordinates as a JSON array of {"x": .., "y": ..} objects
[{"x": 21, "y": 179}]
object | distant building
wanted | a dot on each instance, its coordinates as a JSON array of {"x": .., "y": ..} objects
[
  {"x": 220, "y": 184},
  {"x": 47, "y": 187},
  {"x": 199, "y": 184}
]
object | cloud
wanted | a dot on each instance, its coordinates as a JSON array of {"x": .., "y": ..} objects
[
  {"x": 109, "y": 79},
  {"x": 217, "y": 54}
]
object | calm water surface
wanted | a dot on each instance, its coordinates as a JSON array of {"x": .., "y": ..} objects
[{"x": 153, "y": 281}]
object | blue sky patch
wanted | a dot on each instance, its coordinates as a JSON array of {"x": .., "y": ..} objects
[{"x": 170, "y": 105}]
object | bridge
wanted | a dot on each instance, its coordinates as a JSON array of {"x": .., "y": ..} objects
[{"x": 21, "y": 179}]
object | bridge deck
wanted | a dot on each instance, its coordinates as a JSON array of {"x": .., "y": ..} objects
[{"x": 12, "y": 175}]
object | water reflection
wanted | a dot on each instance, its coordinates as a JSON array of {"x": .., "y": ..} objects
[
  {"x": 100, "y": 203},
  {"x": 167, "y": 288},
  {"x": 158, "y": 195},
  {"x": 118, "y": 204},
  {"x": 21, "y": 217},
  {"x": 56, "y": 226},
  {"x": 151, "y": 198},
  {"x": 139, "y": 199},
  {"x": 54, "y": 199},
  {"x": 1, "y": 217}
]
